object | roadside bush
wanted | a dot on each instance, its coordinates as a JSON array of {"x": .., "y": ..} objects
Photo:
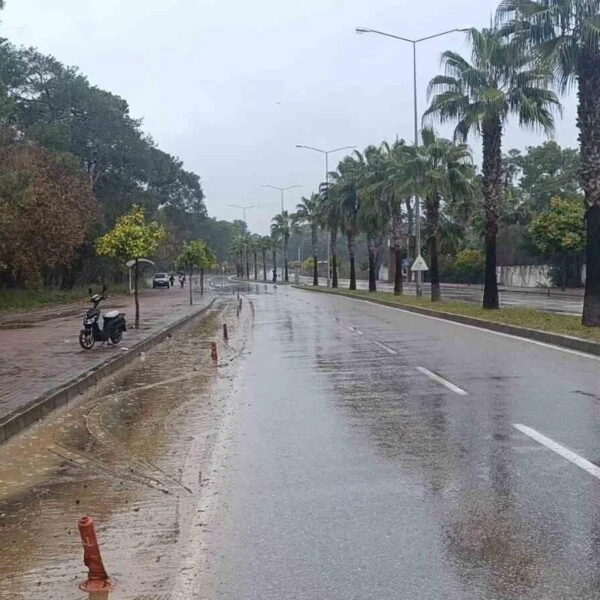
[{"x": 469, "y": 267}]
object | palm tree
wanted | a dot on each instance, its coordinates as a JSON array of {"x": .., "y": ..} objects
[
  {"x": 480, "y": 95},
  {"x": 439, "y": 171},
  {"x": 309, "y": 212},
  {"x": 275, "y": 241},
  {"x": 374, "y": 210},
  {"x": 282, "y": 225},
  {"x": 236, "y": 250},
  {"x": 255, "y": 242},
  {"x": 394, "y": 186},
  {"x": 265, "y": 245},
  {"x": 348, "y": 179},
  {"x": 564, "y": 37},
  {"x": 330, "y": 219}
]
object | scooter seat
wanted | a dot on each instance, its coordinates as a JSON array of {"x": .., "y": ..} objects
[{"x": 111, "y": 314}]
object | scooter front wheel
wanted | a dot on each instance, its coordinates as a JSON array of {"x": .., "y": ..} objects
[{"x": 86, "y": 339}]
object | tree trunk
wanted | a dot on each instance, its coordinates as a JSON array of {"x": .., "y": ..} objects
[
  {"x": 371, "y": 252},
  {"x": 135, "y": 295},
  {"x": 396, "y": 241},
  {"x": 285, "y": 258},
  {"x": 334, "y": 268},
  {"x": 191, "y": 296},
  {"x": 432, "y": 208},
  {"x": 351, "y": 257},
  {"x": 274, "y": 265},
  {"x": 255, "y": 266},
  {"x": 313, "y": 239},
  {"x": 247, "y": 260},
  {"x": 492, "y": 191},
  {"x": 378, "y": 258},
  {"x": 434, "y": 269},
  {"x": 410, "y": 219},
  {"x": 264, "y": 261},
  {"x": 588, "y": 122}
]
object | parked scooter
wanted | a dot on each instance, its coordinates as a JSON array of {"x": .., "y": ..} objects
[{"x": 113, "y": 326}]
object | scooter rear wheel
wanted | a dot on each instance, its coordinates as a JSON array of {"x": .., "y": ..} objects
[
  {"x": 86, "y": 339},
  {"x": 116, "y": 337}
]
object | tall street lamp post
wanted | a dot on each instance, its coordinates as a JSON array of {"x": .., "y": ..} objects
[
  {"x": 282, "y": 190},
  {"x": 414, "y": 43},
  {"x": 326, "y": 153}
]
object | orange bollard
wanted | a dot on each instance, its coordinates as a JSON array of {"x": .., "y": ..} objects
[
  {"x": 213, "y": 351},
  {"x": 225, "y": 332},
  {"x": 98, "y": 580}
]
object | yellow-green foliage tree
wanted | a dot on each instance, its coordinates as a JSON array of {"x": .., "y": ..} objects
[
  {"x": 131, "y": 239},
  {"x": 196, "y": 255}
]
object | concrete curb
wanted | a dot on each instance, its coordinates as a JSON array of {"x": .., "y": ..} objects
[
  {"x": 564, "y": 341},
  {"x": 61, "y": 396}
]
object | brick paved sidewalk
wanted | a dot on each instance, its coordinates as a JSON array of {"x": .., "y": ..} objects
[{"x": 44, "y": 355}]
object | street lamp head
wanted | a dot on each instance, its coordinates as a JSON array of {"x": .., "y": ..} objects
[{"x": 360, "y": 30}]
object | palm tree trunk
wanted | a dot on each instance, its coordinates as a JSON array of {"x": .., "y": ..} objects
[
  {"x": 492, "y": 190},
  {"x": 255, "y": 266},
  {"x": 274, "y": 265},
  {"x": 264, "y": 261},
  {"x": 313, "y": 236},
  {"x": 247, "y": 266},
  {"x": 191, "y": 286},
  {"x": 201, "y": 282},
  {"x": 285, "y": 258},
  {"x": 351, "y": 256},
  {"x": 410, "y": 219},
  {"x": 334, "y": 279},
  {"x": 588, "y": 109},
  {"x": 433, "y": 211},
  {"x": 371, "y": 252},
  {"x": 396, "y": 238}
]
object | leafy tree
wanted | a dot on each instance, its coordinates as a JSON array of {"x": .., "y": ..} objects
[
  {"x": 131, "y": 239},
  {"x": 559, "y": 232},
  {"x": 480, "y": 95},
  {"x": 195, "y": 255},
  {"x": 46, "y": 212},
  {"x": 564, "y": 36},
  {"x": 310, "y": 212}
]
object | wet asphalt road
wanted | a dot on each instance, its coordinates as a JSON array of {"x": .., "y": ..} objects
[
  {"x": 356, "y": 474},
  {"x": 556, "y": 302},
  {"x": 339, "y": 450}
]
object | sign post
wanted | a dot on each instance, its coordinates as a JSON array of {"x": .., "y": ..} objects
[{"x": 419, "y": 266}]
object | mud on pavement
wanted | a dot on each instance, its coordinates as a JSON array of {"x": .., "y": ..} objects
[{"x": 135, "y": 454}]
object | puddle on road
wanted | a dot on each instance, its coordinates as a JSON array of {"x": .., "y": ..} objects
[{"x": 130, "y": 455}]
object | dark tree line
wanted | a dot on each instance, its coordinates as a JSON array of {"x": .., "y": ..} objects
[{"x": 72, "y": 153}]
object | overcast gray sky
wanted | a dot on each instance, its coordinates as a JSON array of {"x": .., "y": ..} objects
[{"x": 231, "y": 86}]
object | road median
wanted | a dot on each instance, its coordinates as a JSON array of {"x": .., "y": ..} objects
[
  {"x": 560, "y": 330},
  {"x": 62, "y": 395}
]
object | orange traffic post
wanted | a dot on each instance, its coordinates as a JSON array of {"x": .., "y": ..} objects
[
  {"x": 213, "y": 351},
  {"x": 98, "y": 580},
  {"x": 225, "y": 332}
]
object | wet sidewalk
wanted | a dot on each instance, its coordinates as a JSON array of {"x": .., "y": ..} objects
[{"x": 37, "y": 357}]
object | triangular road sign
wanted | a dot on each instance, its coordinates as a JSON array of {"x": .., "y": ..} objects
[{"x": 419, "y": 264}]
